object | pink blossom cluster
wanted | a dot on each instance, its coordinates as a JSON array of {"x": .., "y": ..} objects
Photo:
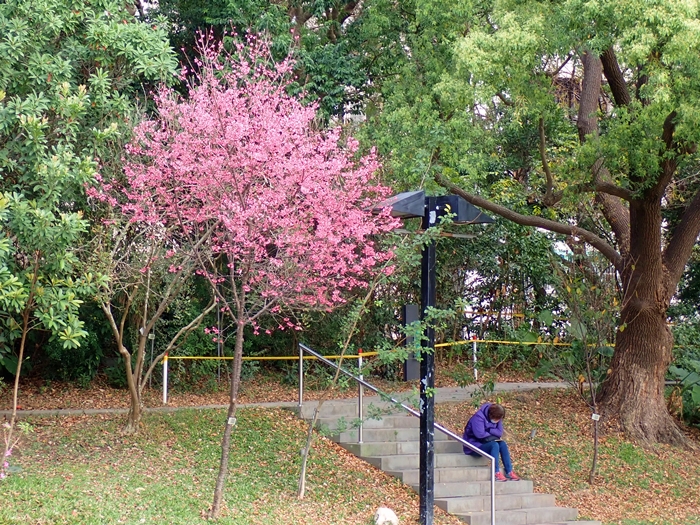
[{"x": 239, "y": 159}]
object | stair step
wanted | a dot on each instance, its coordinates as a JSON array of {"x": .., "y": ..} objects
[
  {"x": 394, "y": 421},
  {"x": 373, "y": 435},
  {"x": 399, "y": 447},
  {"x": 408, "y": 461},
  {"x": 520, "y": 516},
  {"x": 348, "y": 408},
  {"x": 444, "y": 475},
  {"x": 479, "y": 488},
  {"x": 459, "y": 505}
]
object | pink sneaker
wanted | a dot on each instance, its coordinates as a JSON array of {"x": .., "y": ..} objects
[
  {"x": 513, "y": 476},
  {"x": 499, "y": 476}
]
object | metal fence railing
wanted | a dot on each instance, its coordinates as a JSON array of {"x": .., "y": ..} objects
[{"x": 305, "y": 349}]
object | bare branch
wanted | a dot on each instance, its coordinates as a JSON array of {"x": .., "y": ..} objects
[
  {"x": 125, "y": 314},
  {"x": 175, "y": 341},
  {"x": 590, "y": 92},
  {"x": 668, "y": 163},
  {"x": 503, "y": 99},
  {"x": 668, "y": 129},
  {"x": 599, "y": 186},
  {"x": 614, "y": 190},
  {"x": 566, "y": 61},
  {"x": 539, "y": 222},
  {"x": 618, "y": 217},
  {"x": 614, "y": 211}
]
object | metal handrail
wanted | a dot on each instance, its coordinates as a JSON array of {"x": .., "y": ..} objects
[{"x": 303, "y": 348}]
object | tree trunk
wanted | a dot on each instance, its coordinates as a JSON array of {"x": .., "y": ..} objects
[
  {"x": 133, "y": 420},
  {"x": 9, "y": 443},
  {"x": 26, "y": 314},
  {"x": 633, "y": 393},
  {"x": 301, "y": 488},
  {"x": 229, "y": 424}
]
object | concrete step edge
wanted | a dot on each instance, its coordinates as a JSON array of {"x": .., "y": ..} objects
[
  {"x": 512, "y": 488},
  {"x": 504, "y": 502},
  {"x": 526, "y": 516}
]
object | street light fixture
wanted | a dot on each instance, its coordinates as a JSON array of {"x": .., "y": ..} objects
[{"x": 430, "y": 208}]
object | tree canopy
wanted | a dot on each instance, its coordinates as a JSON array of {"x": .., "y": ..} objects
[
  {"x": 68, "y": 75},
  {"x": 575, "y": 120},
  {"x": 575, "y": 117},
  {"x": 318, "y": 34}
]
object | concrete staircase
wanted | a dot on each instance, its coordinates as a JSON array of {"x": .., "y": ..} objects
[{"x": 462, "y": 485}]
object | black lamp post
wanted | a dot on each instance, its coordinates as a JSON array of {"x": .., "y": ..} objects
[{"x": 430, "y": 209}]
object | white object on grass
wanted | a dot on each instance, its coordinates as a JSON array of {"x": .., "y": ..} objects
[{"x": 385, "y": 516}]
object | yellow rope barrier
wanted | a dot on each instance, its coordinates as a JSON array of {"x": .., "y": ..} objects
[
  {"x": 364, "y": 354},
  {"x": 371, "y": 354},
  {"x": 271, "y": 358}
]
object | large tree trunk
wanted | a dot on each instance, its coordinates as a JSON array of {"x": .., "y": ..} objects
[{"x": 633, "y": 393}]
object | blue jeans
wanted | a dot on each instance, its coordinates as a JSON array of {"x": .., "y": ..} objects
[{"x": 496, "y": 448}]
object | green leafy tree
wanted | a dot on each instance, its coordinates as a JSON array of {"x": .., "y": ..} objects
[
  {"x": 69, "y": 75},
  {"x": 574, "y": 117},
  {"x": 39, "y": 288}
]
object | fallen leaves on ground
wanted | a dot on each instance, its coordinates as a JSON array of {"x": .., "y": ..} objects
[
  {"x": 113, "y": 469},
  {"x": 550, "y": 434}
]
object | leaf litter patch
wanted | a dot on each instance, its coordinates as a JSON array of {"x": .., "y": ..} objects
[{"x": 550, "y": 433}]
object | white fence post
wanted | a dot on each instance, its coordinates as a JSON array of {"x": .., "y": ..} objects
[
  {"x": 165, "y": 379},
  {"x": 360, "y": 396}
]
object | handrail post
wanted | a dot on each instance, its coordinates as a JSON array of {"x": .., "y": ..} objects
[
  {"x": 493, "y": 490},
  {"x": 301, "y": 378},
  {"x": 360, "y": 393},
  {"x": 165, "y": 379}
]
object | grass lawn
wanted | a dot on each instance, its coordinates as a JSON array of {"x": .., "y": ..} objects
[
  {"x": 81, "y": 471},
  {"x": 634, "y": 485}
]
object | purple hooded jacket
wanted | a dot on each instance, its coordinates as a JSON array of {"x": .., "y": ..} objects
[{"x": 479, "y": 428}]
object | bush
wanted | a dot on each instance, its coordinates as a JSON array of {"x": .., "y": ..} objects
[
  {"x": 74, "y": 364},
  {"x": 686, "y": 394},
  {"x": 116, "y": 375}
]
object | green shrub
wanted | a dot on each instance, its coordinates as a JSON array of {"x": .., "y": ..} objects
[
  {"x": 116, "y": 376},
  {"x": 687, "y": 390},
  {"x": 74, "y": 364}
]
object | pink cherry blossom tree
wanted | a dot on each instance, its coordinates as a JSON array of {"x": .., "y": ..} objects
[{"x": 285, "y": 205}]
